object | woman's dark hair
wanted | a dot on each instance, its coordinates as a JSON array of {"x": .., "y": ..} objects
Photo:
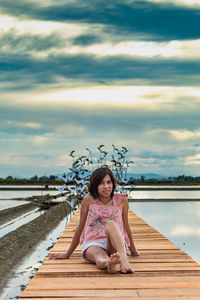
[{"x": 96, "y": 178}]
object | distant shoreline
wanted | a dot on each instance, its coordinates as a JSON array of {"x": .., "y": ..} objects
[
  {"x": 138, "y": 188},
  {"x": 164, "y": 200}
]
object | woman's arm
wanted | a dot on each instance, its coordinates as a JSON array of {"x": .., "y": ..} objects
[
  {"x": 132, "y": 247},
  {"x": 77, "y": 234}
]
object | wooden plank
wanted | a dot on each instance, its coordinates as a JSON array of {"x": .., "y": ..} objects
[
  {"x": 119, "y": 298},
  {"x": 113, "y": 282},
  {"x": 78, "y": 293},
  {"x": 170, "y": 292},
  {"x": 109, "y": 293},
  {"x": 137, "y": 267},
  {"x": 76, "y": 260}
]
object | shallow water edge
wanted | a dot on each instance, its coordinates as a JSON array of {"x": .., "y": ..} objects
[{"x": 17, "y": 244}]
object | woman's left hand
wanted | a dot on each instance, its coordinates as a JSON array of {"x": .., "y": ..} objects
[{"x": 134, "y": 252}]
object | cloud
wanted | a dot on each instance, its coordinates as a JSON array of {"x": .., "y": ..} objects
[
  {"x": 163, "y": 121},
  {"x": 27, "y": 72},
  {"x": 184, "y": 134},
  {"x": 73, "y": 50},
  {"x": 172, "y": 49},
  {"x": 184, "y": 230},
  {"x": 161, "y": 155},
  {"x": 193, "y": 160},
  {"x": 68, "y": 126},
  {"x": 154, "y": 20},
  {"x": 31, "y": 125},
  {"x": 39, "y": 140},
  {"x": 16, "y": 126},
  {"x": 85, "y": 40},
  {"x": 32, "y": 161},
  {"x": 71, "y": 130},
  {"x": 186, "y": 3},
  {"x": 41, "y": 44}
]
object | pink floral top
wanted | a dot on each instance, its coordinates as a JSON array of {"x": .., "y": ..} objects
[{"x": 98, "y": 216}]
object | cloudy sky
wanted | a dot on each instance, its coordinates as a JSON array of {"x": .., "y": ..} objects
[{"x": 77, "y": 74}]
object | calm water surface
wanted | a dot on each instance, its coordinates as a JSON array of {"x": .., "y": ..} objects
[
  {"x": 165, "y": 194},
  {"x": 16, "y": 223},
  {"x": 29, "y": 265},
  {"x": 6, "y": 196},
  {"x": 23, "y": 194},
  {"x": 178, "y": 221},
  {"x": 168, "y": 186}
]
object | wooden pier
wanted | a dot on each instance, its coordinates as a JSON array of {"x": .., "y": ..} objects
[{"x": 162, "y": 271}]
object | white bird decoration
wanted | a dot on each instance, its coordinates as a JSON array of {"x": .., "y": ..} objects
[
  {"x": 65, "y": 178},
  {"x": 61, "y": 189},
  {"x": 72, "y": 203},
  {"x": 72, "y": 190}
]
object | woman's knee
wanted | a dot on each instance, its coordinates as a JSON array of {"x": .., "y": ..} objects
[
  {"x": 94, "y": 252},
  {"x": 111, "y": 225}
]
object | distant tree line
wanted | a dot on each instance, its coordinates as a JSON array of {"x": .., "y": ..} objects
[
  {"x": 42, "y": 180},
  {"x": 181, "y": 179},
  {"x": 53, "y": 179}
]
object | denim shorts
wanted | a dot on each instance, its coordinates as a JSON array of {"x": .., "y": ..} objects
[{"x": 102, "y": 244}]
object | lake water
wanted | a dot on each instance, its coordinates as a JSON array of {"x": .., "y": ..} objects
[
  {"x": 24, "y": 194},
  {"x": 6, "y": 196},
  {"x": 29, "y": 265},
  {"x": 178, "y": 221},
  {"x": 18, "y": 222},
  {"x": 167, "y": 186},
  {"x": 164, "y": 194}
]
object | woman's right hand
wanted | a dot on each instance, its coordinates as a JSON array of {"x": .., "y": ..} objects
[{"x": 58, "y": 256}]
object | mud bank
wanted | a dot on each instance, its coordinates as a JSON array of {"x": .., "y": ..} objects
[
  {"x": 19, "y": 243},
  {"x": 12, "y": 213}
]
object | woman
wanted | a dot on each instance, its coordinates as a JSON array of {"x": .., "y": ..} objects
[{"x": 103, "y": 230}]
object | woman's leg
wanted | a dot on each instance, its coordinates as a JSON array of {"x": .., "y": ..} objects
[
  {"x": 115, "y": 243},
  {"x": 98, "y": 256}
]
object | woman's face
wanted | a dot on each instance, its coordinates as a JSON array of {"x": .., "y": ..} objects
[{"x": 105, "y": 187}]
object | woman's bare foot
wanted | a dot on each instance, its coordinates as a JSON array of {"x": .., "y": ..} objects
[
  {"x": 113, "y": 260},
  {"x": 125, "y": 266}
]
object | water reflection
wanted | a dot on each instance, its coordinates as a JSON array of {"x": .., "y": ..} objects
[
  {"x": 4, "y": 204},
  {"x": 178, "y": 221},
  {"x": 24, "y": 194},
  {"x": 182, "y": 187},
  {"x": 23, "y": 273},
  {"x": 16, "y": 223},
  {"x": 165, "y": 194}
]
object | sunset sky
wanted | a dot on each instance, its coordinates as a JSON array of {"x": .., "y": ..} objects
[{"x": 77, "y": 74}]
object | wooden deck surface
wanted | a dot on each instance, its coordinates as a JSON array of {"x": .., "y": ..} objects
[{"x": 162, "y": 271}]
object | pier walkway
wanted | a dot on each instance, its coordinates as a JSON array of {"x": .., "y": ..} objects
[{"x": 162, "y": 271}]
